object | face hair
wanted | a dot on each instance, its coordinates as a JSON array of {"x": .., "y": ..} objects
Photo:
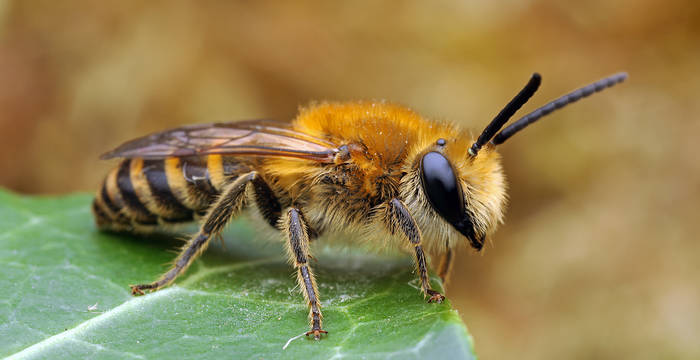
[
  {"x": 505, "y": 114},
  {"x": 558, "y": 104}
]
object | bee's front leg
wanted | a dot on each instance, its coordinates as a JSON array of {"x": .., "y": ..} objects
[
  {"x": 298, "y": 248},
  {"x": 399, "y": 221}
]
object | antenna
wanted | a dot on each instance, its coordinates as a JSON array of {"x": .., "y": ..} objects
[
  {"x": 507, "y": 112},
  {"x": 557, "y": 104}
]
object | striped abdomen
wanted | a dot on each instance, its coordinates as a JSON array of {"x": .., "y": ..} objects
[{"x": 140, "y": 194}]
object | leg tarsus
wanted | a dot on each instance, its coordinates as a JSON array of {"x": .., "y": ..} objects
[
  {"x": 317, "y": 333},
  {"x": 137, "y": 290},
  {"x": 435, "y": 296}
]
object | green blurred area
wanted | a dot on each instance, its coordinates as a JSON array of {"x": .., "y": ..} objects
[{"x": 598, "y": 257}]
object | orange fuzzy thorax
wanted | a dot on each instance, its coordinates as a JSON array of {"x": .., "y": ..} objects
[{"x": 394, "y": 138}]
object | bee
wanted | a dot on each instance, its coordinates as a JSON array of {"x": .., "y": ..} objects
[{"x": 423, "y": 185}]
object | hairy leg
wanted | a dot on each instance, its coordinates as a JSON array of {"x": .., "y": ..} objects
[
  {"x": 298, "y": 248},
  {"x": 229, "y": 204},
  {"x": 399, "y": 221}
]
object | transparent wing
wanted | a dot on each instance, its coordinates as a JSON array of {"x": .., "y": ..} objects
[{"x": 253, "y": 138}]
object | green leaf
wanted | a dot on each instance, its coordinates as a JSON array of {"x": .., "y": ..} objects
[{"x": 66, "y": 295}]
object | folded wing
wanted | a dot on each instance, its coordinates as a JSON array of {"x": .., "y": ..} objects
[{"x": 245, "y": 138}]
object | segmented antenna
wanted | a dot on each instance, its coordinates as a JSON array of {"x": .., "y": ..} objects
[
  {"x": 558, "y": 104},
  {"x": 507, "y": 112}
]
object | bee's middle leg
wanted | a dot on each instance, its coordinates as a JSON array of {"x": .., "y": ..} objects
[
  {"x": 298, "y": 248},
  {"x": 399, "y": 220},
  {"x": 229, "y": 204}
]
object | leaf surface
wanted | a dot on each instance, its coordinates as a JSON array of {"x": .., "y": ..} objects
[{"x": 65, "y": 294}]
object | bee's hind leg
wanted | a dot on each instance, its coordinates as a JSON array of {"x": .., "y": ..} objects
[
  {"x": 229, "y": 204},
  {"x": 297, "y": 233},
  {"x": 399, "y": 221}
]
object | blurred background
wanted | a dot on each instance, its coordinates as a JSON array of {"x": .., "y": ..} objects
[{"x": 598, "y": 257}]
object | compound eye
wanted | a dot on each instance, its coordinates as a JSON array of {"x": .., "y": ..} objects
[{"x": 441, "y": 187}]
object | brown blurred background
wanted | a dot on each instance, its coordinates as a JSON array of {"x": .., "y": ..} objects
[{"x": 599, "y": 254}]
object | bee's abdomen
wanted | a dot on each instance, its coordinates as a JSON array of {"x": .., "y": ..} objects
[
  {"x": 140, "y": 194},
  {"x": 155, "y": 187}
]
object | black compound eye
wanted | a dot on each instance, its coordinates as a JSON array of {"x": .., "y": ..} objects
[
  {"x": 441, "y": 187},
  {"x": 445, "y": 195}
]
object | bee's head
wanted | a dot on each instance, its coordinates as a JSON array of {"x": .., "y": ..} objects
[
  {"x": 456, "y": 196},
  {"x": 463, "y": 183},
  {"x": 450, "y": 195}
]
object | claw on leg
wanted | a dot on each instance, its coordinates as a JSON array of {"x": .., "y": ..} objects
[
  {"x": 137, "y": 290},
  {"x": 317, "y": 333},
  {"x": 435, "y": 296}
]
